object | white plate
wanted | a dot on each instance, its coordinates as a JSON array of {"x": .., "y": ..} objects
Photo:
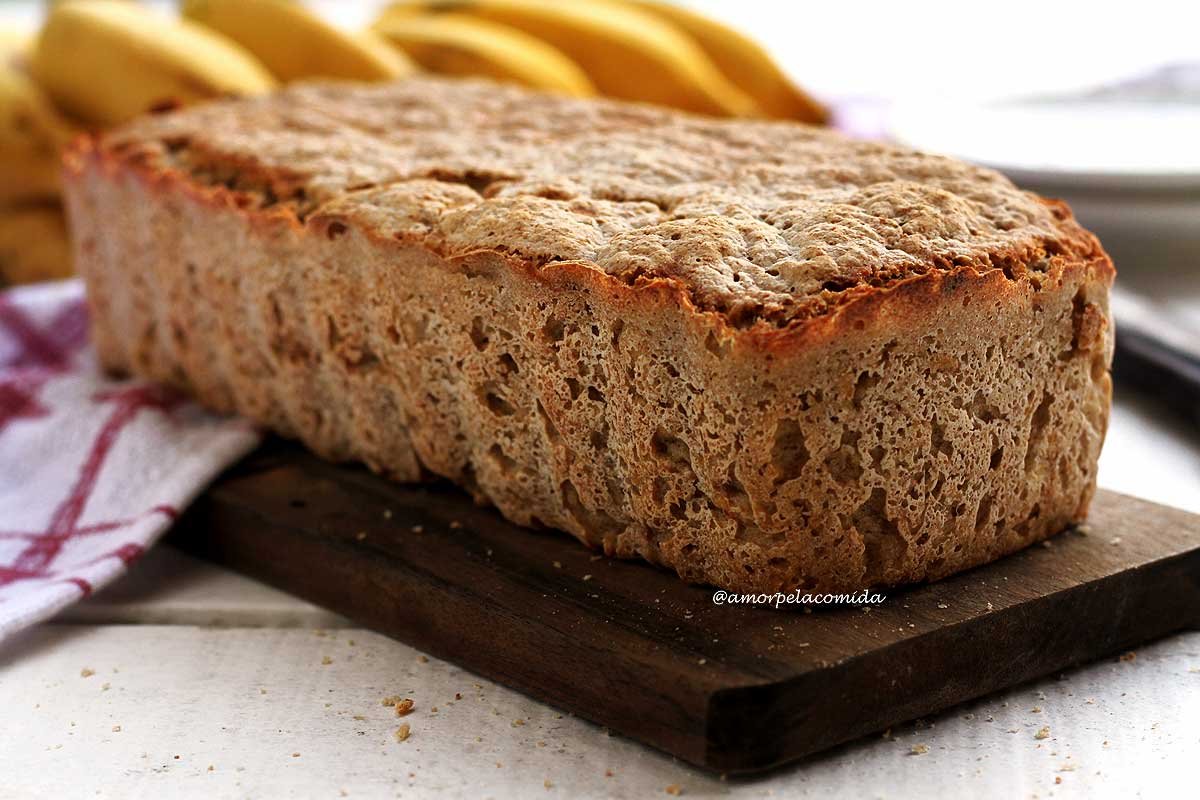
[{"x": 1125, "y": 146}]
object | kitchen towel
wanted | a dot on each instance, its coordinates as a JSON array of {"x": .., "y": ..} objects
[{"x": 92, "y": 469}]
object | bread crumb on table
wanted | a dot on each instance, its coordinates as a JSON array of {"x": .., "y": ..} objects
[
  {"x": 918, "y": 750},
  {"x": 116, "y": 728},
  {"x": 1130, "y": 656},
  {"x": 674, "y": 789},
  {"x": 402, "y": 732},
  {"x": 326, "y": 661},
  {"x": 87, "y": 672},
  {"x": 548, "y": 783},
  {"x": 1043, "y": 733},
  {"x": 403, "y": 707}
]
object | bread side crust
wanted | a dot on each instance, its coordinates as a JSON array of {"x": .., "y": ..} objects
[{"x": 910, "y": 432}]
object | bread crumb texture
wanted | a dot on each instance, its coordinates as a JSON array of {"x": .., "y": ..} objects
[{"x": 759, "y": 353}]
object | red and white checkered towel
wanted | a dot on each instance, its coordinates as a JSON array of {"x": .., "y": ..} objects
[{"x": 92, "y": 470}]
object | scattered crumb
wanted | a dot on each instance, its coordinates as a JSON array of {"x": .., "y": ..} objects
[
  {"x": 418, "y": 528},
  {"x": 1130, "y": 656},
  {"x": 918, "y": 750},
  {"x": 211, "y": 768},
  {"x": 87, "y": 672},
  {"x": 516, "y": 723},
  {"x": 294, "y": 755},
  {"x": 387, "y": 513},
  {"x": 391, "y": 700},
  {"x": 458, "y": 695},
  {"x": 943, "y": 606},
  {"x": 1043, "y": 733},
  {"x": 455, "y": 524},
  {"x": 702, "y": 661},
  {"x": 402, "y": 732},
  {"x": 887, "y": 734},
  {"x": 360, "y": 535},
  {"x": 547, "y": 783},
  {"x": 674, "y": 789},
  {"x": 1036, "y": 709},
  {"x": 541, "y": 743},
  {"x": 262, "y": 691},
  {"x": 423, "y": 659},
  {"x": 1058, "y": 778},
  {"x": 403, "y": 707},
  {"x": 587, "y": 577},
  {"x": 359, "y": 717},
  {"x": 116, "y": 729},
  {"x": 989, "y": 606},
  {"x": 434, "y": 709},
  {"x": 326, "y": 661},
  {"x": 608, "y": 773},
  {"x": 104, "y": 687},
  {"x": 1115, "y": 540}
]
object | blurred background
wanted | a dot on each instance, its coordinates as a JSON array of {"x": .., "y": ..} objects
[{"x": 1097, "y": 103}]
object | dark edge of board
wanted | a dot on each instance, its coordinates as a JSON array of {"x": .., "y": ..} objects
[{"x": 630, "y": 647}]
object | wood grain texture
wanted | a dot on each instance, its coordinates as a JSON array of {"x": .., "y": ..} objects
[{"x": 630, "y": 647}]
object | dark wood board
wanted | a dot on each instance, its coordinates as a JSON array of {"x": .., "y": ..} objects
[{"x": 729, "y": 688}]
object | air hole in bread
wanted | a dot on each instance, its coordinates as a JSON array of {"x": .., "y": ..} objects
[
  {"x": 983, "y": 512},
  {"x": 844, "y": 464},
  {"x": 503, "y": 462},
  {"x": 789, "y": 453},
  {"x": 554, "y": 330},
  {"x": 496, "y": 403},
  {"x": 596, "y": 524},
  {"x": 1037, "y": 430},
  {"x": 883, "y": 545},
  {"x": 547, "y": 424},
  {"x": 478, "y": 336},
  {"x": 670, "y": 448}
]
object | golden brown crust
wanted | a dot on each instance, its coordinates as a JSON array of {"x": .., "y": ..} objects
[
  {"x": 765, "y": 223},
  {"x": 762, "y": 355}
]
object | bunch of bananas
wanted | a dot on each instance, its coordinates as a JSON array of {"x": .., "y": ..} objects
[{"x": 96, "y": 63}]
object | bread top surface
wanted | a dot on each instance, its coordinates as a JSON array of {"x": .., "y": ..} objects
[{"x": 762, "y": 223}]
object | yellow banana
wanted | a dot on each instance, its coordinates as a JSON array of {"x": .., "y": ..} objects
[
  {"x": 627, "y": 53},
  {"x": 106, "y": 61},
  {"x": 451, "y": 44},
  {"x": 742, "y": 61},
  {"x": 295, "y": 43},
  {"x": 32, "y": 133},
  {"x": 34, "y": 245}
]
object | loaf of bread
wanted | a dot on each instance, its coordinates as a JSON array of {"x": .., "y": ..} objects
[{"x": 762, "y": 354}]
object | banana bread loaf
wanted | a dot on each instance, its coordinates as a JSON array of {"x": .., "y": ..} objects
[{"x": 761, "y": 354}]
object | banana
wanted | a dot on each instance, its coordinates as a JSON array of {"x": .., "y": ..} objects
[
  {"x": 295, "y": 43},
  {"x": 626, "y": 52},
  {"x": 105, "y": 61},
  {"x": 34, "y": 245},
  {"x": 32, "y": 133},
  {"x": 742, "y": 61},
  {"x": 452, "y": 44}
]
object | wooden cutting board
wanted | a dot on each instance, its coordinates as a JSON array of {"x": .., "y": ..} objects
[{"x": 729, "y": 688}]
